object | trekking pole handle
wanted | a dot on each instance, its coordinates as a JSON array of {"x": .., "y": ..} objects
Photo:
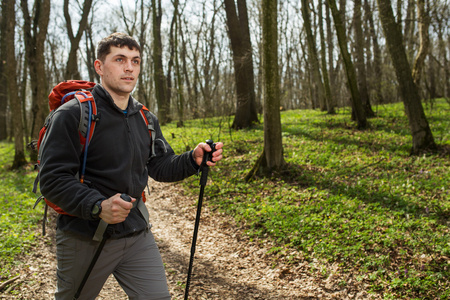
[
  {"x": 125, "y": 197},
  {"x": 207, "y": 156}
]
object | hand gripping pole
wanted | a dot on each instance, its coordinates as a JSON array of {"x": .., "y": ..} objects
[{"x": 96, "y": 255}]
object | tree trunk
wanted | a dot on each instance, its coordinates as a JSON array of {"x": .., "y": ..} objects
[
  {"x": 421, "y": 133},
  {"x": 142, "y": 84},
  {"x": 172, "y": 51},
  {"x": 72, "y": 62},
  {"x": 273, "y": 146},
  {"x": 23, "y": 97},
  {"x": 424, "y": 24},
  {"x": 91, "y": 54},
  {"x": 360, "y": 61},
  {"x": 185, "y": 74},
  {"x": 432, "y": 70},
  {"x": 272, "y": 157},
  {"x": 3, "y": 77},
  {"x": 377, "y": 61},
  {"x": 312, "y": 53},
  {"x": 357, "y": 107},
  {"x": 323, "y": 56},
  {"x": 178, "y": 78},
  {"x": 239, "y": 33},
  {"x": 443, "y": 70},
  {"x": 208, "y": 65},
  {"x": 159, "y": 78},
  {"x": 195, "y": 95},
  {"x": 8, "y": 12},
  {"x": 35, "y": 32},
  {"x": 409, "y": 35},
  {"x": 330, "y": 52}
]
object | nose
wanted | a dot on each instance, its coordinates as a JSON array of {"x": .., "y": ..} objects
[{"x": 129, "y": 66}]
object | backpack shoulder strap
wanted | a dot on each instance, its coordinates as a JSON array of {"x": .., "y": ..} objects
[
  {"x": 88, "y": 119},
  {"x": 88, "y": 115},
  {"x": 147, "y": 117}
]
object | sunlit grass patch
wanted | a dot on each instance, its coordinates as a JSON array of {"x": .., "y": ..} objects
[
  {"x": 18, "y": 220},
  {"x": 355, "y": 198}
]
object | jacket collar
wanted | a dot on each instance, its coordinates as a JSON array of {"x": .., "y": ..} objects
[{"x": 133, "y": 105}]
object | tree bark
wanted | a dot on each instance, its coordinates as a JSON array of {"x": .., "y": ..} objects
[
  {"x": 23, "y": 87},
  {"x": 72, "y": 71},
  {"x": 330, "y": 52},
  {"x": 313, "y": 57},
  {"x": 205, "y": 74},
  {"x": 185, "y": 74},
  {"x": 91, "y": 54},
  {"x": 194, "y": 103},
  {"x": 35, "y": 32},
  {"x": 273, "y": 146},
  {"x": 172, "y": 50},
  {"x": 357, "y": 107},
  {"x": 421, "y": 133},
  {"x": 377, "y": 61},
  {"x": 441, "y": 17},
  {"x": 424, "y": 39},
  {"x": 323, "y": 57},
  {"x": 272, "y": 157},
  {"x": 142, "y": 84},
  {"x": 159, "y": 78},
  {"x": 238, "y": 28},
  {"x": 360, "y": 61},
  {"x": 179, "y": 99},
  {"x": 3, "y": 78},
  {"x": 8, "y": 12},
  {"x": 409, "y": 38}
]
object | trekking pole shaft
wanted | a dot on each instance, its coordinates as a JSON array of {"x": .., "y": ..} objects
[
  {"x": 207, "y": 156},
  {"x": 96, "y": 255},
  {"x": 204, "y": 177},
  {"x": 44, "y": 219},
  {"x": 194, "y": 241},
  {"x": 89, "y": 270}
]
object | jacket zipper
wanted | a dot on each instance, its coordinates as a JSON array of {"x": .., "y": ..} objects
[{"x": 133, "y": 151}]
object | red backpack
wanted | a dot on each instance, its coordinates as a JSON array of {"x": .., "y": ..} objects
[{"x": 81, "y": 91}]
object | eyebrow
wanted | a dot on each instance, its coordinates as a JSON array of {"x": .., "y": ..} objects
[{"x": 122, "y": 55}]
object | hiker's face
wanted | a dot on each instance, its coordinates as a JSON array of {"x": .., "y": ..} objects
[{"x": 120, "y": 70}]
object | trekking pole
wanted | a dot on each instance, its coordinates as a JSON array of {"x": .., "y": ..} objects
[
  {"x": 204, "y": 169},
  {"x": 95, "y": 258}
]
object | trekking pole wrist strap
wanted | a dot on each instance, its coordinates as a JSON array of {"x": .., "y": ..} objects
[{"x": 102, "y": 225}]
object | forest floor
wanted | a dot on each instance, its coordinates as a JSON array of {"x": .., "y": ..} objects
[{"x": 227, "y": 265}]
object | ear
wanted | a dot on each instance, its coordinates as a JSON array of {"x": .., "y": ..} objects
[{"x": 98, "y": 67}]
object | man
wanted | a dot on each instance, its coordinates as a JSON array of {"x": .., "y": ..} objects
[{"x": 119, "y": 161}]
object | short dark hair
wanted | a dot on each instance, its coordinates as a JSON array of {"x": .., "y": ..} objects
[{"x": 116, "y": 39}]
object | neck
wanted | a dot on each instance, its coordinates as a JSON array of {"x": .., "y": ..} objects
[
  {"x": 120, "y": 100},
  {"x": 121, "y": 103}
]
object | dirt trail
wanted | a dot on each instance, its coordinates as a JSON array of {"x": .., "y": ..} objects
[{"x": 227, "y": 264}]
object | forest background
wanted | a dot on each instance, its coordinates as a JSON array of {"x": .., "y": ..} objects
[{"x": 247, "y": 63}]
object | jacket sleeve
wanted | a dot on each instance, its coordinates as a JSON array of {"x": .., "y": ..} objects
[
  {"x": 165, "y": 165},
  {"x": 60, "y": 164}
]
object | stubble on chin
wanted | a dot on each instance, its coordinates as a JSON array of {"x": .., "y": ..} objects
[{"x": 122, "y": 90}]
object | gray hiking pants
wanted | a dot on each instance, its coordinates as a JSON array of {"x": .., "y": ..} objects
[{"x": 135, "y": 262}]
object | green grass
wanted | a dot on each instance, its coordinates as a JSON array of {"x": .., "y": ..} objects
[
  {"x": 349, "y": 197},
  {"x": 18, "y": 220},
  {"x": 355, "y": 199}
]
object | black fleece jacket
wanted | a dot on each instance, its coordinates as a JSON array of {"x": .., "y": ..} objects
[{"x": 119, "y": 160}]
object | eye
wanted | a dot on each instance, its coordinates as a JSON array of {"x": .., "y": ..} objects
[
  {"x": 137, "y": 61},
  {"x": 119, "y": 59}
]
